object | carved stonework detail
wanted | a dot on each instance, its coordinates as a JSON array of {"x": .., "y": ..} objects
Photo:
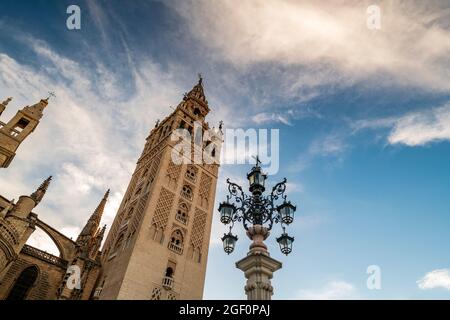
[
  {"x": 205, "y": 190},
  {"x": 173, "y": 173},
  {"x": 198, "y": 229},
  {"x": 163, "y": 207}
]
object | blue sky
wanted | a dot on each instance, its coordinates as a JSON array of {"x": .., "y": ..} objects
[{"x": 364, "y": 120}]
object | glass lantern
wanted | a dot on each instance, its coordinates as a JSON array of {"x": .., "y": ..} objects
[
  {"x": 285, "y": 242},
  {"x": 256, "y": 179},
  {"x": 229, "y": 241},
  {"x": 226, "y": 210},
  {"x": 286, "y": 211}
]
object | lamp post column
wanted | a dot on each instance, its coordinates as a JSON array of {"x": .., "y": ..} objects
[
  {"x": 257, "y": 213},
  {"x": 258, "y": 266}
]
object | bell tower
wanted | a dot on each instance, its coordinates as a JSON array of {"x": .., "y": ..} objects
[
  {"x": 157, "y": 247},
  {"x": 14, "y": 132}
]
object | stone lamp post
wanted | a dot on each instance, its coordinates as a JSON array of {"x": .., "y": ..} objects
[{"x": 258, "y": 214}]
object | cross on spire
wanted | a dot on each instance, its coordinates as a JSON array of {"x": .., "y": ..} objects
[
  {"x": 258, "y": 162},
  {"x": 51, "y": 95}
]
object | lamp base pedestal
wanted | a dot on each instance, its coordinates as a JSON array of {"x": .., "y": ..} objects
[{"x": 258, "y": 268}]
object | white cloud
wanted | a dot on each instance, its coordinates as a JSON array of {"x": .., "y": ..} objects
[
  {"x": 330, "y": 145},
  {"x": 334, "y": 290},
  {"x": 439, "y": 278},
  {"x": 413, "y": 129},
  {"x": 420, "y": 128},
  {"x": 413, "y": 41},
  {"x": 265, "y": 117}
]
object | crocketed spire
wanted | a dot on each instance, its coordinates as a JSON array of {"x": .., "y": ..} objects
[
  {"x": 93, "y": 223},
  {"x": 40, "y": 192}
]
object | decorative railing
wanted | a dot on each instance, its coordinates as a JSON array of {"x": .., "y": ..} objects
[
  {"x": 176, "y": 248},
  {"x": 186, "y": 194},
  {"x": 97, "y": 293},
  {"x": 44, "y": 256},
  {"x": 167, "y": 283}
]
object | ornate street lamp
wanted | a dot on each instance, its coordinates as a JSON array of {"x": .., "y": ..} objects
[
  {"x": 229, "y": 241},
  {"x": 257, "y": 213},
  {"x": 286, "y": 211},
  {"x": 226, "y": 210},
  {"x": 285, "y": 242}
]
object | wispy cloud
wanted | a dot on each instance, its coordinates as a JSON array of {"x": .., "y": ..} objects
[
  {"x": 334, "y": 290},
  {"x": 332, "y": 145},
  {"x": 413, "y": 39},
  {"x": 413, "y": 129},
  {"x": 439, "y": 278},
  {"x": 285, "y": 117},
  {"x": 421, "y": 128}
]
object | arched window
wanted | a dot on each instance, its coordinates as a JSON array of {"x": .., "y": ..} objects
[
  {"x": 19, "y": 126},
  {"x": 176, "y": 242},
  {"x": 169, "y": 272},
  {"x": 191, "y": 174},
  {"x": 182, "y": 213},
  {"x": 26, "y": 280},
  {"x": 187, "y": 192},
  {"x": 197, "y": 112}
]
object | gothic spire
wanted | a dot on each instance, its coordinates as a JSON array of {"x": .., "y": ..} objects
[
  {"x": 91, "y": 226},
  {"x": 40, "y": 192}
]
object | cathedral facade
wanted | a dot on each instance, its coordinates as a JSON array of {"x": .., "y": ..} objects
[{"x": 157, "y": 246}]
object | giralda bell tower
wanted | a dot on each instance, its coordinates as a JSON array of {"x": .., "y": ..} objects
[{"x": 157, "y": 247}]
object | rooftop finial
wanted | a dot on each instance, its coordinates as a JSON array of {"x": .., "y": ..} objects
[
  {"x": 4, "y": 104},
  {"x": 258, "y": 162},
  {"x": 50, "y": 95},
  {"x": 200, "y": 79}
]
